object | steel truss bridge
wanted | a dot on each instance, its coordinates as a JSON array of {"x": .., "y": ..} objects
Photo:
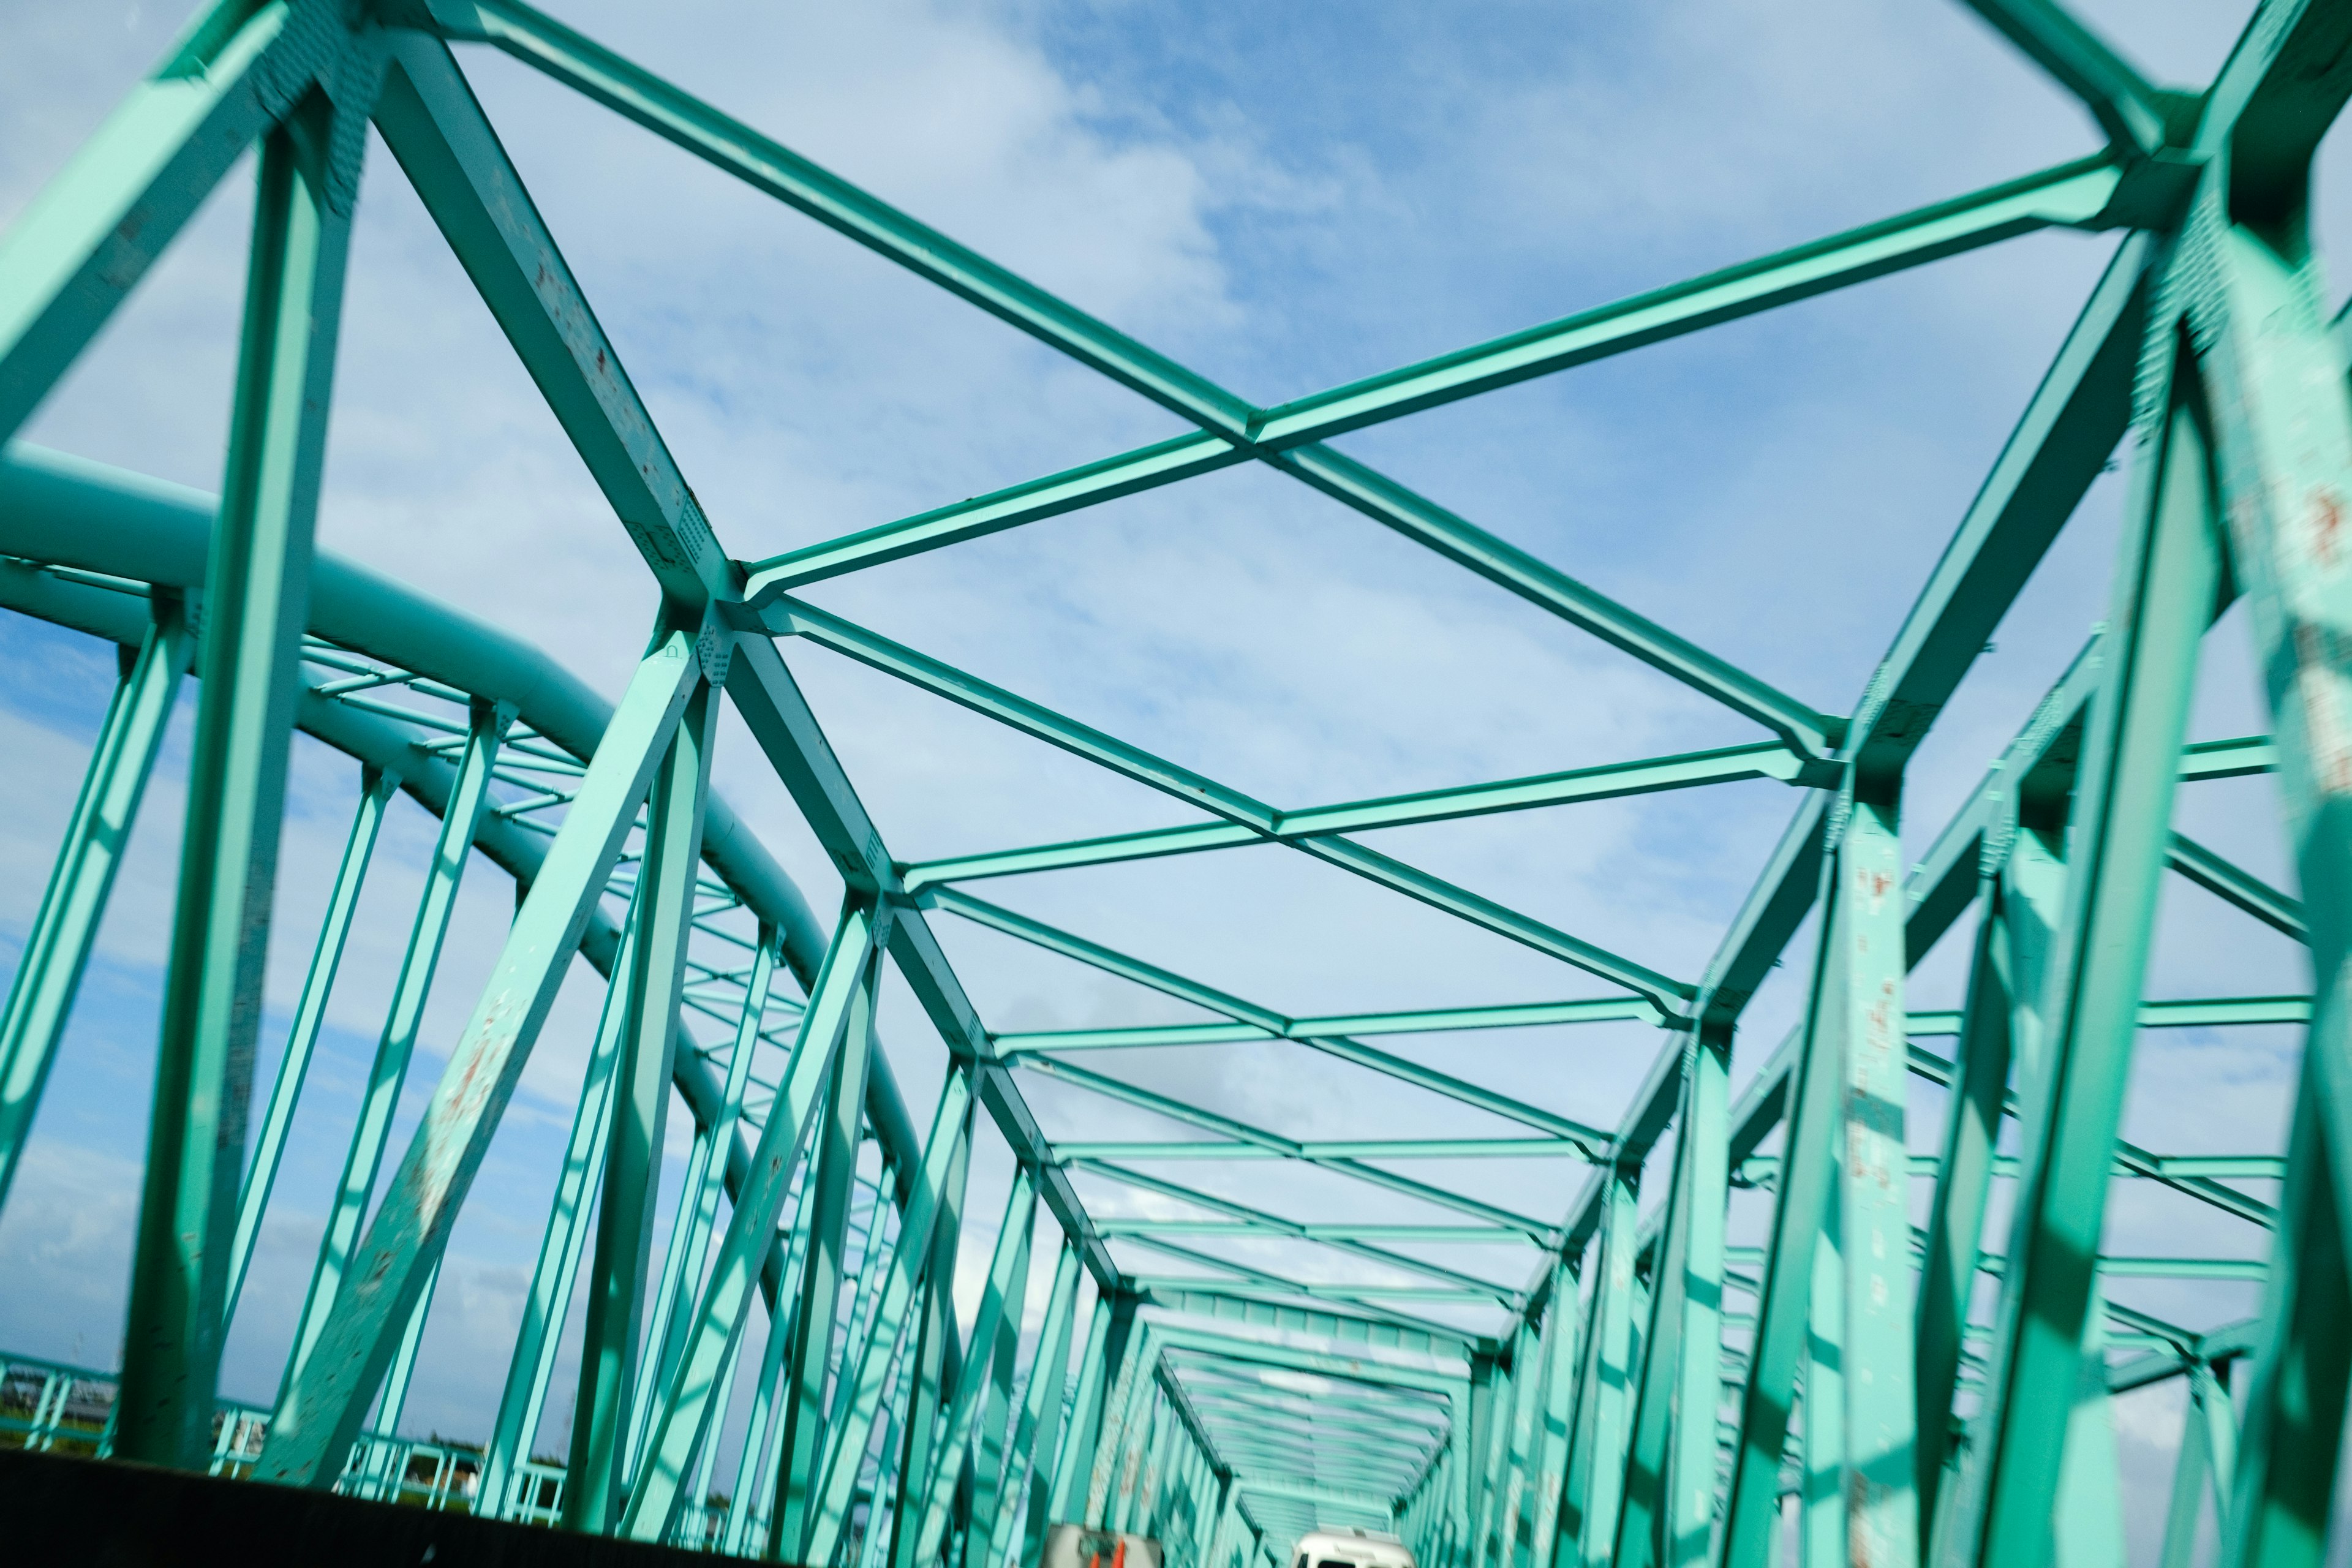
[{"x": 1649, "y": 1393}]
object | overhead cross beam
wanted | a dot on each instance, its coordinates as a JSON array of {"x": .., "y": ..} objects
[{"x": 1572, "y": 1420}]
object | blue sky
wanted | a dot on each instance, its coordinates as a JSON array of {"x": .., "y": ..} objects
[{"x": 1285, "y": 198}]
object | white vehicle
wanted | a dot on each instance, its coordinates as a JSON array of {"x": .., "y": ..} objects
[{"x": 1351, "y": 1549}]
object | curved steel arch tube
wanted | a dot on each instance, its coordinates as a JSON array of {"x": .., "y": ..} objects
[{"x": 60, "y": 510}]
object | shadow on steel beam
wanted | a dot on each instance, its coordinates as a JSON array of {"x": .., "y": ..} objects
[{"x": 111, "y": 1514}]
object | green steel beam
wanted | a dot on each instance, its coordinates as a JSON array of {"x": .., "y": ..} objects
[
  {"x": 1060, "y": 1501},
  {"x": 562, "y": 1245},
  {"x": 1563, "y": 1351},
  {"x": 1223, "y": 1302},
  {"x": 1128, "y": 1386},
  {"x": 780, "y": 720},
  {"x": 256, "y": 583},
  {"x": 1433, "y": 1020},
  {"x": 613, "y": 1337},
  {"x": 1321, "y": 1150},
  {"x": 2168, "y": 583},
  {"x": 1671, "y": 1464},
  {"x": 688, "y": 1397},
  {"x": 1763, "y": 760},
  {"x": 2072, "y": 195},
  {"x": 1291, "y": 1358},
  {"x": 1859, "y": 961},
  {"x": 2127, "y": 109},
  {"x": 698, "y": 1206},
  {"x": 1364, "y": 1298},
  {"x": 1594, "y": 1487},
  {"x": 833, "y": 1162},
  {"x": 932, "y": 1369},
  {"x": 2237, "y": 886},
  {"x": 787, "y": 616},
  {"x": 1265, "y": 1021},
  {"x": 1269, "y": 1225},
  {"x": 1038, "y": 933},
  {"x": 320, "y": 1418},
  {"x": 445, "y": 145},
  {"x": 1251, "y": 1416},
  {"x": 2284, "y": 443},
  {"x": 65, "y": 927},
  {"x": 945, "y": 1158},
  {"x": 987, "y": 1375},
  {"x": 412, "y": 985},
  {"x": 2004, "y": 976},
  {"x": 1280, "y": 1147},
  {"x": 2188, "y": 1013},
  {"x": 59, "y": 509},
  {"x": 2065, "y": 436},
  {"x": 1406, "y": 1416},
  {"x": 376, "y": 787},
  {"x": 791, "y": 617},
  {"x": 1242, "y": 1219},
  {"x": 1036, "y": 1444},
  {"x": 78, "y": 249}
]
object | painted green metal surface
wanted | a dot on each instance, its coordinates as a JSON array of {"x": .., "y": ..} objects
[
  {"x": 1182, "y": 1383},
  {"x": 256, "y": 585},
  {"x": 668, "y": 867},
  {"x": 413, "y": 983},
  {"x": 57, "y": 949},
  {"x": 377, "y": 788}
]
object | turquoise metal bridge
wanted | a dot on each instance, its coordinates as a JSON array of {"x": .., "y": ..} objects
[{"x": 1856, "y": 1312}]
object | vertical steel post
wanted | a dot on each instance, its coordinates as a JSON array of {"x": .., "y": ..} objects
[
  {"x": 1031, "y": 1453},
  {"x": 1597, "y": 1457},
  {"x": 313, "y": 1432},
  {"x": 2090, "y": 1515},
  {"x": 381, "y": 1099},
  {"x": 531, "y": 1370},
  {"x": 1527, "y": 1441},
  {"x": 1844, "y": 1157},
  {"x": 1527, "y": 1384},
  {"x": 256, "y": 585},
  {"x": 2190, "y": 1471},
  {"x": 697, "y": 1205},
  {"x": 1963, "y": 1182},
  {"x": 866, "y": 1363},
  {"x": 1149, "y": 1461},
  {"x": 990, "y": 1460},
  {"x": 376, "y": 786},
  {"x": 2167, "y": 585},
  {"x": 1692, "y": 1446},
  {"x": 934, "y": 1359},
  {"x": 1874, "y": 1200},
  {"x": 687, "y": 1408},
  {"x": 1008, "y": 1271},
  {"x": 808, "y": 1356},
  {"x": 403, "y": 1367},
  {"x": 1660, "y": 1379},
  {"x": 2209, "y": 1407},
  {"x": 748, "y": 1520},
  {"x": 1561, "y": 1395},
  {"x": 1110, "y": 1444},
  {"x": 642, "y": 1077},
  {"x": 1076, "y": 1450},
  {"x": 65, "y": 927},
  {"x": 2283, "y": 429},
  {"x": 1822, "y": 1521}
]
